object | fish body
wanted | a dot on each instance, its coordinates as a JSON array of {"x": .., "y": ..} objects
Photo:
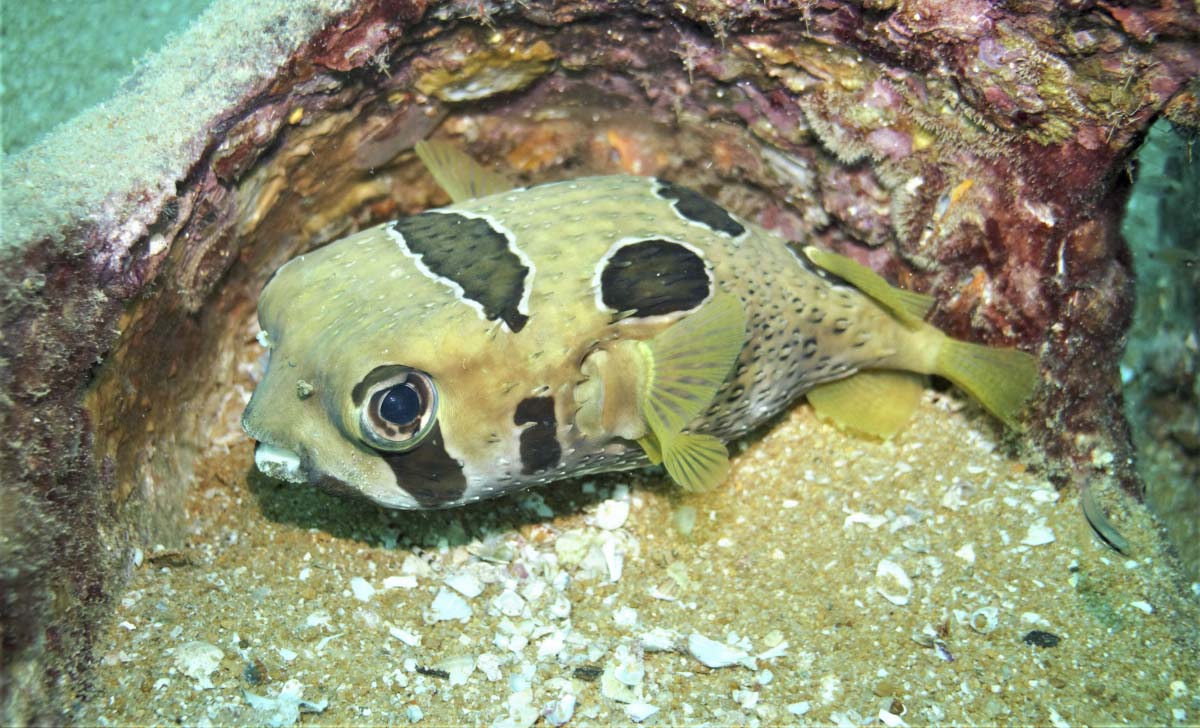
[{"x": 530, "y": 335}]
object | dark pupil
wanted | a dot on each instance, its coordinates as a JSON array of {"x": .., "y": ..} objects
[{"x": 401, "y": 404}]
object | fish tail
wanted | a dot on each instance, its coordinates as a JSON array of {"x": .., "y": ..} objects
[{"x": 1002, "y": 380}]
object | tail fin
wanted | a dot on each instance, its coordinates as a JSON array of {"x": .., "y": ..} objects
[{"x": 1000, "y": 379}]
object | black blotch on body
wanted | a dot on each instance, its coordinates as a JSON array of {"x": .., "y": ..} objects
[
  {"x": 473, "y": 254},
  {"x": 539, "y": 442},
  {"x": 654, "y": 277},
  {"x": 428, "y": 473},
  {"x": 698, "y": 208}
]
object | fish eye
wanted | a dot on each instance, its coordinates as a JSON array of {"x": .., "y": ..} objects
[{"x": 399, "y": 410}]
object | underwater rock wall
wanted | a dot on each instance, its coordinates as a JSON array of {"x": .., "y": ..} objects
[{"x": 973, "y": 150}]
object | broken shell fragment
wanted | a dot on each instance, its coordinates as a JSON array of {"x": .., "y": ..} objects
[
  {"x": 892, "y": 582},
  {"x": 984, "y": 620},
  {"x": 716, "y": 654}
]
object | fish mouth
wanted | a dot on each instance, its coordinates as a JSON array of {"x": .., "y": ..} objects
[{"x": 279, "y": 463}]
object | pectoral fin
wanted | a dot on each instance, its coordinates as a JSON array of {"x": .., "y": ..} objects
[
  {"x": 696, "y": 462},
  {"x": 460, "y": 176},
  {"x": 685, "y": 366},
  {"x": 650, "y": 445}
]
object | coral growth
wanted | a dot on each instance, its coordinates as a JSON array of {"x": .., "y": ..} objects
[{"x": 973, "y": 150}]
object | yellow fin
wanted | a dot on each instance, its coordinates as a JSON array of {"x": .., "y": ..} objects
[
  {"x": 696, "y": 462},
  {"x": 649, "y": 444},
  {"x": 908, "y": 306},
  {"x": 875, "y": 402},
  {"x": 460, "y": 176},
  {"x": 1000, "y": 379},
  {"x": 688, "y": 363}
]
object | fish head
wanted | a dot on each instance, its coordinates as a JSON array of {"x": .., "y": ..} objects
[{"x": 379, "y": 385}]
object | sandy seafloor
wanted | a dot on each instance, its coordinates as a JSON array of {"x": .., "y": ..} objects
[{"x": 594, "y": 599}]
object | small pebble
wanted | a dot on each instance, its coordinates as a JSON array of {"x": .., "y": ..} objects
[
  {"x": 588, "y": 673},
  {"x": 611, "y": 514},
  {"x": 1039, "y": 638},
  {"x": 414, "y": 713},
  {"x": 684, "y": 520}
]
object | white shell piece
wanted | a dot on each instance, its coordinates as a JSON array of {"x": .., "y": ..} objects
[
  {"x": 627, "y": 667},
  {"x": 638, "y": 712},
  {"x": 459, "y": 667},
  {"x": 363, "y": 591},
  {"x": 560, "y": 711},
  {"x": 1039, "y": 534},
  {"x": 412, "y": 639},
  {"x": 447, "y": 606},
  {"x": 625, "y": 617},
  {"x": 658, "y": 640},
  {"x": 199, "y": 660},
  {"x": 465, "y": 583},
  {"x": 509, "y": 603},
  {"x": 984, "y": 620},
  {"x": 892, "y": 582},
  {"x": 799, "y": 708},
  {"x": 275, "y": 462},
  {"x": 717, "y": 654}
]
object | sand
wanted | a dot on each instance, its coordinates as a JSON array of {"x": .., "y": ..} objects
[{"x": 927, "y": 580}]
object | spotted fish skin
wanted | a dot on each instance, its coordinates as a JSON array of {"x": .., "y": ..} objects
[{"x": 501, "y": 300}]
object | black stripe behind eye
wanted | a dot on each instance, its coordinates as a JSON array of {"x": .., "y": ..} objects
[{"x": 428, "y": 473}]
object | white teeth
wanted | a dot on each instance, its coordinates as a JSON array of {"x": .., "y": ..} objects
[{"x": 275, "y": 462}]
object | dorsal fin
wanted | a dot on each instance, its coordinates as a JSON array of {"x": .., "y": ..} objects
[
  {"x": 460, "y": 176},
  {"x": 908, "y": 306}
]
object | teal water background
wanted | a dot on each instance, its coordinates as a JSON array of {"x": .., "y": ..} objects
[{"x": 58, "y": 57}]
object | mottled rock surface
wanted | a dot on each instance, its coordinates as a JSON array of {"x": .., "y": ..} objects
[{"x": 973, "y": 150}]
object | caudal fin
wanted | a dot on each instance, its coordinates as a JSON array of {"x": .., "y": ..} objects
[{"x": 1002, "y": 380}]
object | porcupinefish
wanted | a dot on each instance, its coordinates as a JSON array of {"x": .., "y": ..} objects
[{"x": 525, "y": 335}]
